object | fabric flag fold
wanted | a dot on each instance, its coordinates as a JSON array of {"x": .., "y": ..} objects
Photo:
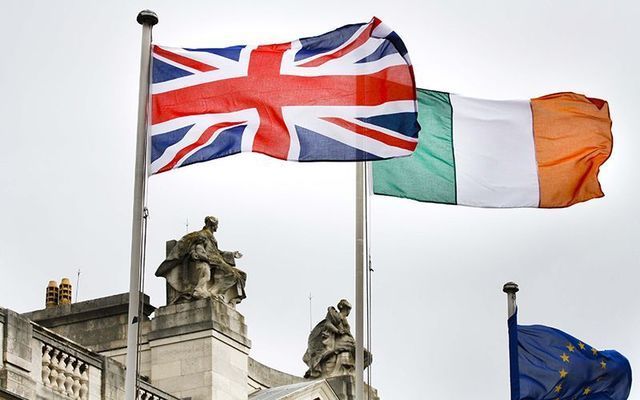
[
  {"x": 346, "y": 95},
  {"x": 544, "y": 152},
  {"x": 547, "y": 363}
]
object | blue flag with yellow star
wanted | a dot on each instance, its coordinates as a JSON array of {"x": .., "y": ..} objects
[{"x": 549, "y": 364}]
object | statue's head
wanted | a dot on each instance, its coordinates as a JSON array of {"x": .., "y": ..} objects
[
  {"x": 211, "y": 222},
  {"x": 344, "y": 306}
]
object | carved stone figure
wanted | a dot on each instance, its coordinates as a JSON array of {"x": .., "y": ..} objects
[
  {"x": 195, "y": 268},
  {"x": 331, "y": 347}
]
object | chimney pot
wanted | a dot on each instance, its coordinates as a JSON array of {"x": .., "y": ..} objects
[
  {"x": 51, "y": 295},
  {"x": 65, "y": 291}
]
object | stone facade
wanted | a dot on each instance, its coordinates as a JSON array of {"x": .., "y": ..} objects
[
  {"x": 264, "y": 377},
  {"x": 99, "y": 324},
  {"x": 38, "y": 363},
  {"x": 197, "y": 350}
]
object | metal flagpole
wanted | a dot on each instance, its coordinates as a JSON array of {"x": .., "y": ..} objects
[
  {"x": 510, "y": 288},
  {"x": 360, "y": 266},
  {"x": 147, "y": 19}
]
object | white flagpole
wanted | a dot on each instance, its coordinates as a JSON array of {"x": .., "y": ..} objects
[
  {"x": 361, "y": 193},
  {"x": 147, "y": 19}
]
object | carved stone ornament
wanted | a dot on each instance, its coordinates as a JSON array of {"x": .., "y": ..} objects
[
  {"x": 195, "y": 268},
  {"x": 331, "y": 347}
]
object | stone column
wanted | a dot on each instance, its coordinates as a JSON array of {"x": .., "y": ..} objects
[{"x": 200, "y": 350}]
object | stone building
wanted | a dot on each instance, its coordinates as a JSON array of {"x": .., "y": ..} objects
[
  {"x": 194, "y": 348},
  {"x": 197, "y": 350}
]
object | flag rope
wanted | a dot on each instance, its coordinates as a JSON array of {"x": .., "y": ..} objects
[
  {"x": 369, "y": 270},
  {"x": 143, "y": 268}
]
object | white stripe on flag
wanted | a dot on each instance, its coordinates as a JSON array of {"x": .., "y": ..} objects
[{"x": 494, "y": 153}]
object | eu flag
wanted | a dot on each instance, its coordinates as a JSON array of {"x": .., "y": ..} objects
[{"x": 549, "y": 364}]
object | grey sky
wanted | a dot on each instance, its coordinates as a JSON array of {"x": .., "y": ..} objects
[{"x": 69, "y": 81}]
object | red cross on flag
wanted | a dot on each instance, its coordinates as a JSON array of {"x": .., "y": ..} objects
[{"x": 347, "y": 95}]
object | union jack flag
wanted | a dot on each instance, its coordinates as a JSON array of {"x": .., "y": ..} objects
[{"x": 342, "y": 96}]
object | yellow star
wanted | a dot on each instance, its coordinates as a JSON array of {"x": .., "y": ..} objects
[
  {"x": 587, "y": 391},
  {"x": 571, "y": 347},
  {"x": 594, "y": 351},
  {"x": 558, "y": 388},
  {"x": 563, "y": 373},
  {"x": 581, "y": 345},
  {"x": 603, "y": 364},
  {"x": 565, "y": 357}
]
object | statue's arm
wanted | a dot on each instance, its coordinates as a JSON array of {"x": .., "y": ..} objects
[
  {"x": 346, "y": 328},
  {"x": 230, "y": 256},
  {"x": 328, "y": 324},
  {"x": 331, "y": 327},
  {"x": 198, "y": 252}
]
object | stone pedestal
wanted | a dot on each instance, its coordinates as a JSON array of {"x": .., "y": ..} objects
[{"x": 199, "y": 350}]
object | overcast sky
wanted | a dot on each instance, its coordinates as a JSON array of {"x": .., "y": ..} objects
[{"x": 69, "y": 83}]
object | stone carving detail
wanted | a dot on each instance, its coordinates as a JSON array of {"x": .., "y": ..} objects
[
  {"x": 145, "y": 395},
  {"x": 64, "y": 373},
  {"x": 46, "y": 365},
  {"x": 84, "y": 384},
  {"x": 148, "y": 392},
  {"x": 195, "y": 268},
  {"x": 331, "y": 347}
]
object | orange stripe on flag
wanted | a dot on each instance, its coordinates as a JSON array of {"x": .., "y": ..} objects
[{"x": 573, "y": 139}]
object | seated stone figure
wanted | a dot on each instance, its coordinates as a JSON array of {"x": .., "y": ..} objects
[
  {"x": 331, "y": 348},
  {"x": 196, "y": 268}
]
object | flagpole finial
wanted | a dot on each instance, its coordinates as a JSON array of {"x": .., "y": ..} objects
[
  {"x": 147, "y": 17},
  {"x": 510, "y": 287}
]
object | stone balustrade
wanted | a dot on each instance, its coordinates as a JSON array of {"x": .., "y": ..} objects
[
  {"x": 144, "y": 395},
  {"x": 148, "y": 392},
  {"x": 37, "y": 363},
  {"x": 64, "y": 373}
]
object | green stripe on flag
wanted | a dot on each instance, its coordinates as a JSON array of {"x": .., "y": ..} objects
[{"x": 429, "y": 173}]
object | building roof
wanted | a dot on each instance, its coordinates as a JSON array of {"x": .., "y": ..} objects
[{"x": 317, "y": 389}]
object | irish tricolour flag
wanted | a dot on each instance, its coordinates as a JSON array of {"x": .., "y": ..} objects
[{"x": 544, "y": 152}]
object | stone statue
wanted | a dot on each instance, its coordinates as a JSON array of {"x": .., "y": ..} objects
[
  {"x": 331, "y": 348},
  {"x": 195, "y": 268}
]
